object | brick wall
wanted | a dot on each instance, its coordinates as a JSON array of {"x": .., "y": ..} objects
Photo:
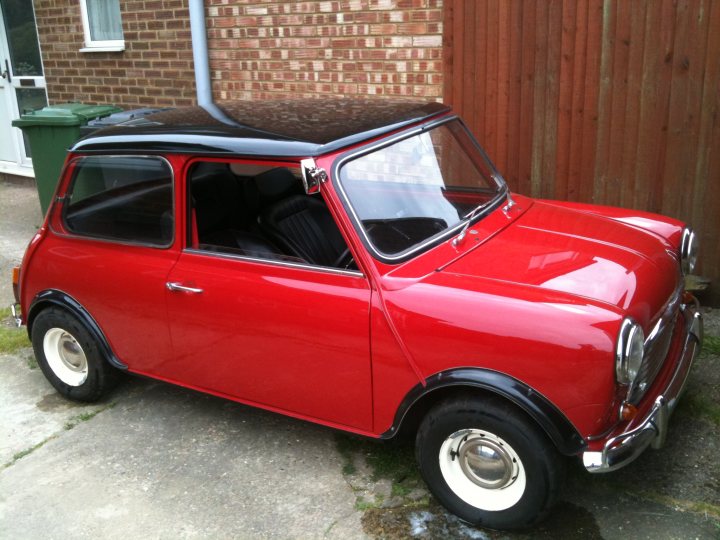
[
  {"x": 349, "y": 47},
  {"x": 155, "y": 69},
  {"x": 257, "y": 50}
]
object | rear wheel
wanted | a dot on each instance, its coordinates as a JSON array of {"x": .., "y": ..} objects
[
  {"x": 489, "y": 464},
  {"x": 69, "y": 356}
]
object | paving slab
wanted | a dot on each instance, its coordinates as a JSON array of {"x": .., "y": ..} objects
[
  {"x": 20, "y": 217},
  {"x": 32, "y": 411},
  {"x": 159, "y": 461}
]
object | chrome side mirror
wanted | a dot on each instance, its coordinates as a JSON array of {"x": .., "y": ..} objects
[{"x": 312, "y": 176}]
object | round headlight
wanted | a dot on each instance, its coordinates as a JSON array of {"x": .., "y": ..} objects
[
  {"x": 688, "y": 251},
  {"x": 630, "y": 351}
]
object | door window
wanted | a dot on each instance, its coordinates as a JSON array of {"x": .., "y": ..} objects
[
  {"x": 262, "y": 212},
  {"x": 124, "y": 198},
  {"x": 22, "y": 87},
  {"x": 22, "y": 38}
]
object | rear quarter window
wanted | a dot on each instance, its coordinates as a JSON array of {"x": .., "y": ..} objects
[{"x": 122, "y": 198}]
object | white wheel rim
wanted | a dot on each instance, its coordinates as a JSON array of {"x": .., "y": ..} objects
[
  {"x": 65, "y": 357},
  {"x": 482, "y": 469}
]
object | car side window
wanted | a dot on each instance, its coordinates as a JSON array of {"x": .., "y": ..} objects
[
  {"x": 262, "y": 212},
  {"x": 122, "y": 198}
]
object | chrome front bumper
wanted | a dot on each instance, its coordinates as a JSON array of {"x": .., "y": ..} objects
[{"x": 623, "y": 448}]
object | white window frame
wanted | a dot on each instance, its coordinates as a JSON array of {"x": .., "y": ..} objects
[{"x": 107, "y": 45}]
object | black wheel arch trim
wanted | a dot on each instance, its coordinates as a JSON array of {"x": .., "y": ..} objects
[
  {"x": 58, "y": 298},
  {"x": 555, "y": 424}
]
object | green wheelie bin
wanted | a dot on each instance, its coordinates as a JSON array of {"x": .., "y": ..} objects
[{"x": 50, "y": 132}]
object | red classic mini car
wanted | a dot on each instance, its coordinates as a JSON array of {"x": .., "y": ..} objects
[{"x": 362, "y": 264}]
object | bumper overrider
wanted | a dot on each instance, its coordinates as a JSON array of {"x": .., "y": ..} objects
[
  {"x": 621, "y": 449},
  {"x": 16, "y": 314}
]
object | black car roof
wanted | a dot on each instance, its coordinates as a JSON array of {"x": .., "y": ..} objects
[{"x": 283, "y": 128}]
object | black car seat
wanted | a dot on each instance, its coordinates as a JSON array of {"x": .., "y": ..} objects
[
  {"x": 297, "y": 222},
  {"x": 219, "y": 216}
]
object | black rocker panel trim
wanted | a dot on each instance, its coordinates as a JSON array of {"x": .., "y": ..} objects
[
  {"x": 64, "y": 300},
  {"x": 560, "y": 430}
]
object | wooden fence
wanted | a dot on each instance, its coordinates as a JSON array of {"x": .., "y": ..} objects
[{"x": 607, "y": 101}]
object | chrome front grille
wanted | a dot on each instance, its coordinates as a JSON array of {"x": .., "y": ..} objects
[{"x": 657, "y": 346}]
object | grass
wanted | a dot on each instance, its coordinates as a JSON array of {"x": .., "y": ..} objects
[
  {"x": 701, "y": 405},
  {"x": 346, "y": 447},
  {"x": 704, "y": 404},
  {"x": 74, "y": 421},
  {"x": 697, "y": 507},
  {"x": 400, "y": 490},
  {"x": 392, "y": 460},
  {"x": 31, "y": 361},
  {"x": 329, "y": 528},
  {"x": 84, "y": 417},
  {"x": 27, "y": 451},
  {"x": 362, "y": 505},
  {"x": 711, "y": 345},
  {"x": 12, "y": 339}
]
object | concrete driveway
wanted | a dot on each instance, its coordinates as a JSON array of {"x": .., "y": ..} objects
[
  {"x": 20, "y": 217},
  {"x": 157, "y": 461}
]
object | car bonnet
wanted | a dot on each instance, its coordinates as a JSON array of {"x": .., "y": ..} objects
[{"x": 582, "y": 254}]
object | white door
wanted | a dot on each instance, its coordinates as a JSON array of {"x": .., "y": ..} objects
[{"x": 22, "y": 86}]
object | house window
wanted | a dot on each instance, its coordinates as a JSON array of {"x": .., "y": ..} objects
[{"x": 102, "y": 25}]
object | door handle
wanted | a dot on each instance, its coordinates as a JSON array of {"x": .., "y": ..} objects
[
  {"x": 177, "y": 287},
  {"x": 6, "y": 73}
]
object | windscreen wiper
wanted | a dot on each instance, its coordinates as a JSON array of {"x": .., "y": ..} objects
[{"x": 469, "y": 217}]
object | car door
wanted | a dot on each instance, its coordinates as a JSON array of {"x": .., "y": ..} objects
[{"x": 284, "y": 335}]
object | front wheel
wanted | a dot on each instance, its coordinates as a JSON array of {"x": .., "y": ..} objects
[{"x": 487, "y": 463}]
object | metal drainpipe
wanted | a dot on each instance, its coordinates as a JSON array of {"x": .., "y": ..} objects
[{"x": 200, "y": 53}]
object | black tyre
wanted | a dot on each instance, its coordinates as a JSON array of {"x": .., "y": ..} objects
[
  {"x": 488, "y": 463},
  {"x": 69, "y": 357}
]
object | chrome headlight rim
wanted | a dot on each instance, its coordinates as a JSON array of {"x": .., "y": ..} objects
[
  {"x": 688, "y": 251},
  {"x": 630, "y": 352}
]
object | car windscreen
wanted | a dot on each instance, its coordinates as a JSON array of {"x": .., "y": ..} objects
[{"x": 413, "y": 191}]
